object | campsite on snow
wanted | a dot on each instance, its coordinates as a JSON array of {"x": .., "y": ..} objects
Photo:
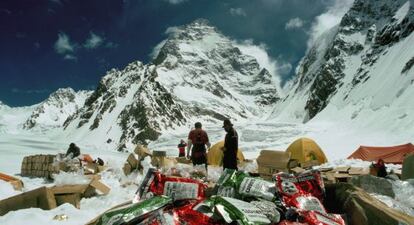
[{"x": 211, "y": 129}]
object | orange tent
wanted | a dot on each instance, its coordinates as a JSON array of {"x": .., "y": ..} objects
[{"x": 392, "y": 154}]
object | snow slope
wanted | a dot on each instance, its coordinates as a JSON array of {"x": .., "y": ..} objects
[{"x": 358, "y": 80}]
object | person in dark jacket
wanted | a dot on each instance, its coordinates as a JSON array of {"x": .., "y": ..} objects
[
  {"x": 382, "y": 170},
  {"x": 73, "y": 151},
  {"x": 231, "y": 146}
]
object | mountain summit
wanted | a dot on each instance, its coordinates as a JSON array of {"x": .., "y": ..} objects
[{"x": 197, "y": 74}]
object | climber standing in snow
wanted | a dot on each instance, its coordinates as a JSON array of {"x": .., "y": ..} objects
[
  {"x": 73, "y": 151},
  {"x": 197, "y": 142},
  {"x": 231, "y": 146},
  {"x": 181, "y": 148}
]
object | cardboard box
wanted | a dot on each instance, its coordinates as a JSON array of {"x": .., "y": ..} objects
[
  {"x": 102, "y": 188},
  {"x": 298, "y": 170},
  {"x": 132, "y": 160},
  {"x": 91, "y": 168},
  {"x": 342, "y": 169},
  {"x": 142, "y": 151},
  {"x": 342, "y": 177},
  {"x": 39, "y": 198},
  {"x": 127, "y": 169},
  {"x": 358, "y": 171},
  {"x": 183, "y": 160},
  {"x": 73, "y": 199},
  {"x": 270, "y": 162},
  {"x": 69, "y": 189},
  {"x": 309, "y": 164}
]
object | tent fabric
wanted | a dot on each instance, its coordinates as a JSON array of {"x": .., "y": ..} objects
[
  {"x": 392, "y": 154},
  {"x": 306, "y": 149},
  {"x": 215, "y": 154}
]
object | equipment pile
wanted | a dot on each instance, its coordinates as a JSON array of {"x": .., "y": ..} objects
[{"x": 237, "y": 197}]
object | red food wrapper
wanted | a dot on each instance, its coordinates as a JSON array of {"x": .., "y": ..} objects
[
  {"x": 188, "y": 213},
  {"x": 178, "y": 188},
  {"x": 192, "y": 214},
  {"x": 286, "y": 222},
  {"x": 318, "y": 218},
  {"x": 312, "y": 212},
  {"x": 309, "y": 182}
]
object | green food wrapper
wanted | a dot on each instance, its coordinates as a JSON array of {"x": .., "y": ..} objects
[
  {"x": 134, "y": 212},
  {"x": 237, "y": 184},
  {"x": 269, "y": 209},
  {"x": 231, "y": 210},
  {"x": 226, "y": 185}
]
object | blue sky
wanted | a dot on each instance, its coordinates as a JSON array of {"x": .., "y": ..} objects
[{"x": 48, "y": 44}]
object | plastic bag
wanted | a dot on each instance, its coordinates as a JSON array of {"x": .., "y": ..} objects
[
  {"x": 135, "y": 212},
  {"x": 231, "y": 209},
  {"x": 178, "y": 188},
  {"x": 309, "y": 182}
]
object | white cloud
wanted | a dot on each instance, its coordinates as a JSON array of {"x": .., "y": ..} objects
[
  {"x": 237, "y": 12},
  {"x": 111, "y": 45},
  {"x": 172, "y": 30},
  {"x": 70, "y": 57},
  {"x": 329, "y": 19},
  {"x": 174, "y": 2},
  {"x": 157, "y": 48},
  {"x": 93, "y": 41},
  {"x": 29, "y": 91},
  {"x": 294, "y": 23},
  {"x": 260, "y": 53},
  {"x": 63, "y": 44}
]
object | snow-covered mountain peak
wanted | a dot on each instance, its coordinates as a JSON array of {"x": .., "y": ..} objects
[
  {"x": 197, "y": 74},
  {"x": 52, "y": 112}
]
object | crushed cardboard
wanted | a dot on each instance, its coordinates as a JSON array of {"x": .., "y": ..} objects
[
  {"x": 50, "y": 197},
  {"x": 41, "y": 197}
]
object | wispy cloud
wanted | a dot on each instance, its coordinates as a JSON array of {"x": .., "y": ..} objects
[
  {"x": 175, "y": 2},
  {"x": 30, "y": 91},
  {"x": 294, "y": 23},
  {"x": 94, "y": 41},
  {"x": 63, "y": 44},
  {"x": 329, "y": 19},
  {"x": 237, "y": 12},
  {"x": 70, "y": 57},
  {"x": 111, "y": 45},
  {"x": 157, "y": 49},
  {"x": 259, "y": 52}
]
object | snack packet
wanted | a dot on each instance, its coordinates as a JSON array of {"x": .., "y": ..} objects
[
  {"x": 134, "y": 212},
  {"x": 178, "y": 188}
]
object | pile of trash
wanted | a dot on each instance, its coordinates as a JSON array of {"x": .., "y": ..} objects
[{"x": 237, "y": 197}]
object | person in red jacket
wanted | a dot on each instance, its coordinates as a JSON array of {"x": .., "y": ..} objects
[
  {"x": 181, "y": 148},
  {"x": 198, "y": 140}
]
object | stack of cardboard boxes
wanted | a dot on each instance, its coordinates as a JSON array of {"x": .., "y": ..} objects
[{"x": 40, "y": 166}]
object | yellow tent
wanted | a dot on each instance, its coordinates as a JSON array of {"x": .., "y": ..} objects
[
  {"x": 305, "y": 149},
  {"x": 215, "y": 154}
]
